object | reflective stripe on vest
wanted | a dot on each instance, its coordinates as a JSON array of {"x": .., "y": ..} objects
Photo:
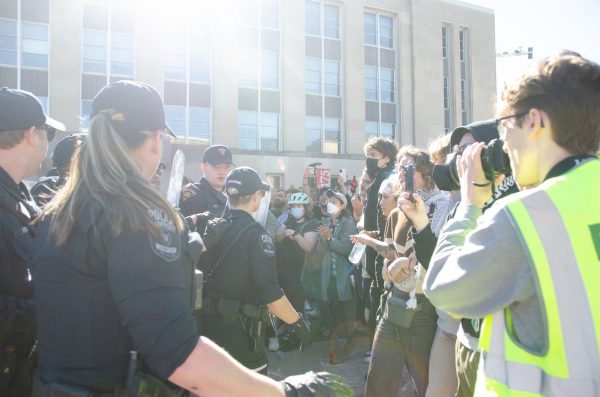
[{"x": 556, "y": 223}]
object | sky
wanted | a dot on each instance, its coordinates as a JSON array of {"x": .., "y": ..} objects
[{"x": 547, "y": 25}]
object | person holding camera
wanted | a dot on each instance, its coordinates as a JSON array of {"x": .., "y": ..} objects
[{"x": 527, "y": 264}]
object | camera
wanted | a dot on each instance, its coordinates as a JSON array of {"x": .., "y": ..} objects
[{"x": 493, "y": 159}]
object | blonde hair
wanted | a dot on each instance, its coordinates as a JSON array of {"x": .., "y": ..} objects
[{"x": 103, "y": 170}]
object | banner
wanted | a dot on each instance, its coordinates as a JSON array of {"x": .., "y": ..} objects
[{"x": 323, "y": 179}]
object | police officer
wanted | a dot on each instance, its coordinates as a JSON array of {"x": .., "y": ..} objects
[
  {"x": 241, "y": 277},
  {"x": 24, "y": 135},
  {"x": 115, "y": 268},
  {"x": 46, "y": 187},
  {"x": 207, "y": 194}
]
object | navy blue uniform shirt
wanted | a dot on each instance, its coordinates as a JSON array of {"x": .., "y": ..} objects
[
  {"x": 102, "y": 295},
  {"x": 205, "y": 199},
  {"x": 16, "y": 240}
]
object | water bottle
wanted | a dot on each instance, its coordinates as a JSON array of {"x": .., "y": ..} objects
[{"x": 357, "y": 253}]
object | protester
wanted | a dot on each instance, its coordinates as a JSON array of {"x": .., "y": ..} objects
[
  {"x": 338, "y": 307},
  {"x": 525, "y": 265},
  {"x": 380, "y": 161}
]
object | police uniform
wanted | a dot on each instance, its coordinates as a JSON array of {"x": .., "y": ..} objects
[
  {"x": 19, "y": 111},
  {"x": 119, "y": 301},
  {"x": 17, "y": 209},
  {"x": 204, "y": 198},
  {"x": 45, "y": 188},
  {"x": 201, "y": 197},
  {"x": 248, "y": 275}
]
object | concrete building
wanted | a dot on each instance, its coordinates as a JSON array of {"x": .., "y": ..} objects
[{"x": 284, "y": 83}]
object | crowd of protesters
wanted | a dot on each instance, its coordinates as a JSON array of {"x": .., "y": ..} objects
[{"x": 452, "y": 284}]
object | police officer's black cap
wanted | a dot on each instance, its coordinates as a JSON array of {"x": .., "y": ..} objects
[
  {"x": 217, "y": 154},
  {"x": 21, "y": 110},
  {"x": 483, "y": 131},
  {"x": 243, "y": 181},
  {"x": 139, "y": 103},
  {"x": 64, "y": 149}
]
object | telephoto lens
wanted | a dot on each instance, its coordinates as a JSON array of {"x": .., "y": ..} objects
[{"x": 493, "y": 159}]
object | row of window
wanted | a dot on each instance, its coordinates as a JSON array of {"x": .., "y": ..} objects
[{"x": 34, "y": 44}]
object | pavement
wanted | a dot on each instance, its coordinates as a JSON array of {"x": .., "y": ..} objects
[{"x": 315, "y": 357}]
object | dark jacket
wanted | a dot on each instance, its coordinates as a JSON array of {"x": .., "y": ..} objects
[{"x": 205, "y": 199}]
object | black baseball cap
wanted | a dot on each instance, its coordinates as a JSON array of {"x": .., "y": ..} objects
[
  {"x": 243, "y": 181},
  {"x": 139, "y": 103},
  {"x": 483, "y": 131},
  {"x": 21, "y": 110},
  {"x": 64, "y": 149},
  {"x": 217, "y": 154}
]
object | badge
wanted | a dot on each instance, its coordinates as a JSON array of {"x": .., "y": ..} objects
[
  {"x": 168, "y": 244},
  {"x": 266, "y": 243}
]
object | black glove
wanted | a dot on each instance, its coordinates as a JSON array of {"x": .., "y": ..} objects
[
  {"x": 302, "y": 331},
  {"x": 215, "y": 229},
  {"x": 319, "y": 384}
]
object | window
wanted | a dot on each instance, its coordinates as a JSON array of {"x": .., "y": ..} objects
[
  {"x": 447, "y": 79},
  {"x": 331, "y": 21},
  {"x": 247, "y": 129},
  {"x": 199, "y": 125},
  {"x": 370, "y": 83},
  {"x": 386, "y": 31},
  {"x": 94, "y": 51},
  {"x": 370, "y": 28},
  {"x": 269, "y": 131},
  {"x": 332, "y": 78},
  {"x": 199, "y": 61},
  {"x": 387, "y": 85},
  {"x": 175, "y": 117},
  {"x": 34, "y": 45},
  {"x": 465, "y": 84},
  {"x": 387, "y": 130},
  {"x": 8, "y": 42},
  {"x": 175, "y": 60},
  {"x": 270, "y": 14},
  {"x": 313, "y": 134},
  {"x": 332, "y": 136},
  {"x": 248, "y": 68},
  {"x": 270, "y": 70},
  {"x": 380, "y": 75},
  {"x": 121, "y": 62},
  {"x": 86, "y": 109},
  {"x": 313, "y": 75},
  {"x": 313, "y": 18},
  {"x": 371, "y": 128}
]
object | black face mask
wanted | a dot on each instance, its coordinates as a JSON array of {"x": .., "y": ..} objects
[{"x": 372, "y": 167}]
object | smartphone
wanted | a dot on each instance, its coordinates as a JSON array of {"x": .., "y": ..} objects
[
  {"x": 409, "y": 179},
  {"x": 343, "y": 174}
]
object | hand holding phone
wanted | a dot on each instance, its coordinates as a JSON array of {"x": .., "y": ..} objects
[{"x": 409, "y": 182}]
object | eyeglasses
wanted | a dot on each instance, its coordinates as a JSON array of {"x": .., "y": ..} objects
[{"x": 504, "y": 123}]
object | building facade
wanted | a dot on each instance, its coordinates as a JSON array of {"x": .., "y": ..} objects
[{"x": 284, "y": 83}]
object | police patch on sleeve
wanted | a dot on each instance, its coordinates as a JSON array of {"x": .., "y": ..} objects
[
  {"x": 266, "y": 243},
  {"x": 168, "y": 245}
]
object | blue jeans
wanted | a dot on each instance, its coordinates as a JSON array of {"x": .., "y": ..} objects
[{"x": 394, "y": 347}]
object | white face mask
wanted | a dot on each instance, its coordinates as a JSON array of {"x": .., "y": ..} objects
[
  {"x": 297, "y": 212},
  {"x": 332, "y": 209}
]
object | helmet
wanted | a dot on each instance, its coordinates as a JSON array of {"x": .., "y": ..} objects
[{"x": 299, "y": 198}]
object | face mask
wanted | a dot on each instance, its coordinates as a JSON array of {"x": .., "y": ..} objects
[
  {"x": 332, "y": 209},
  {"x": 371, "y": 164},
  {"x": 297, "y": 212}
]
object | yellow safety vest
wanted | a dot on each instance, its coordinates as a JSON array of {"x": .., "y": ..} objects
[{"x": 559, "y": 222}]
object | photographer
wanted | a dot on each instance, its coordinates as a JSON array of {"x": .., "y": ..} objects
[{"x": 525, "y": 264}]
